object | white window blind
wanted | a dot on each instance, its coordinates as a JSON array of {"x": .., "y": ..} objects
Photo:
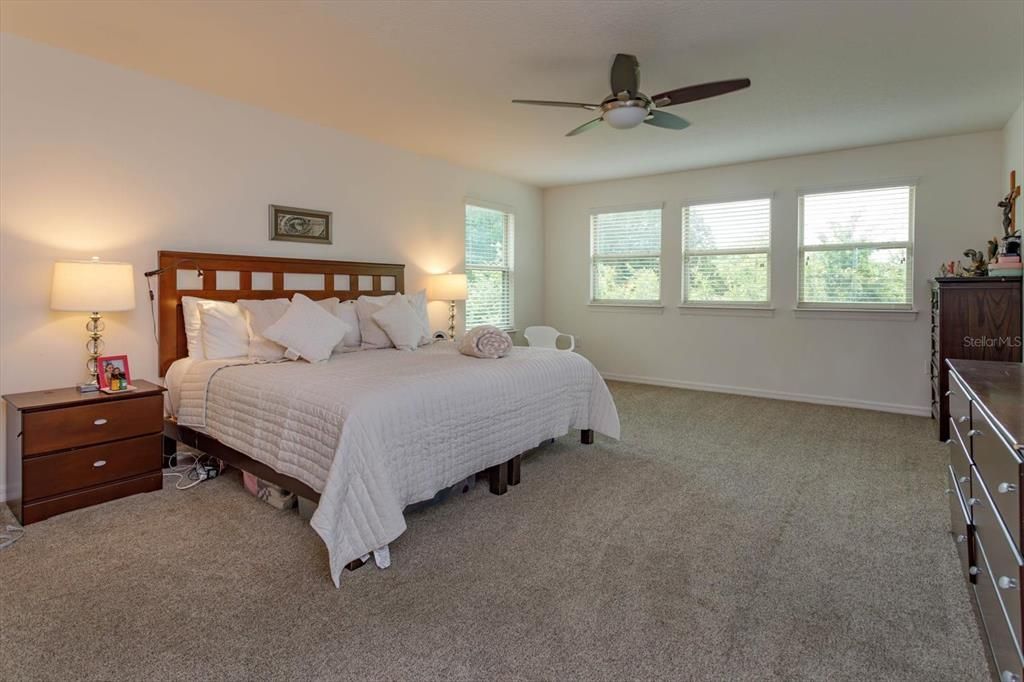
[
  {"x": 726, "y": 252},
  {"x": 626, "y": 256},
  {"x": 856, "y": 248},
  {"x": 489, "y": 267}
]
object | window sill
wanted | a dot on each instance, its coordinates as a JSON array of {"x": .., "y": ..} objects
[
  {"x": 727, "y": 310},
  {"x": 650, "y": 308},
  {"x": 857, "y": 314}
]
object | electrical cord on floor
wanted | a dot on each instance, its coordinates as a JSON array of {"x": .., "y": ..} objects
[
  {"x": 200, "y": 468},
  {"x": 10, "y": 534}
]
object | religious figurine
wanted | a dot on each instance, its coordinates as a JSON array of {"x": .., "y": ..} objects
[{"x": 1007, "y": 204}]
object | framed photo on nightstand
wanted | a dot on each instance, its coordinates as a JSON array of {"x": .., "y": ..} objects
[{"x": 112, "y": 373}]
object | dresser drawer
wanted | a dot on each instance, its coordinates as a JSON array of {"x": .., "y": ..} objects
[
  {"x": 65, "y": 472},
  {"x": 958, "y": 519},
  {"x": 1002, "y": 642},
  {"x": 1001, "y": 472},
  {"x": 72, "y": 427},
  {"x": 959, "y": 410},
  {"x": 51, "y": 506}
]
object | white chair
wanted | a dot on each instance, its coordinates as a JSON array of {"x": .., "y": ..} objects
[{"x": 547, "y": 337}]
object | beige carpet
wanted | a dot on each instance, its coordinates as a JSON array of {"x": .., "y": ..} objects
[{"x": 786, "y": 541}]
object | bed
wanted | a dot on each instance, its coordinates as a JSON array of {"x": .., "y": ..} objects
[{"x": 367, "y": 433}]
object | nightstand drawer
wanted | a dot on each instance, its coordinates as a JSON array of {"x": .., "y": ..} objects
[
  {"x": 44, "y": 509},
  {"x": 71, "y": 427},
  {"x": 69, "y": 471}
]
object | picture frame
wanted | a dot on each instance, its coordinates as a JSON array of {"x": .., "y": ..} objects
[
  {"x": 290, "y": 224},
  {"x": 107, "y": 365}
]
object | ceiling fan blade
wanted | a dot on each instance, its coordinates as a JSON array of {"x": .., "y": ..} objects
[
  {"x": 663, "y": 119},
  {"x": 625, "y": 74},
  {"x": 692, "y": 93},
  {"x": 583, "y": 128},
  {"x": 569, "y": 105}
]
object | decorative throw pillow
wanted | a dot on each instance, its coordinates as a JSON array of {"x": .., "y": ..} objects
[
  {"x": 224, "y": 330},
  {"x": 418, "y": 301},
  {"x": 372, "y": 334},
  {"x": 346, "y": 312},
  {"x": 307, "y": 330},
  {"x": 194, "y": 324},
  {"x": 401, "y": 323},
  {"x": 260, "y": 314}
]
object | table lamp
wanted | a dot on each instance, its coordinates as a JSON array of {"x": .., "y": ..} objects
[
  {"x": 449, "y": 287},
  {"x": 92, "y": 286}
]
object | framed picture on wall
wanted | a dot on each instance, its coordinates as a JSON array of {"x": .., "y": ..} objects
[{"x": 289, "y": 224}]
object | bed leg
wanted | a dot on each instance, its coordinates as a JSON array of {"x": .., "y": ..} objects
[
  {"x": 497, "y": 479},
  {"x": 354, "y": 564},
  {"x": 514, "y": 469},
  {"x": 170, "y": 450},
  {"x": 587, "y": 436}
]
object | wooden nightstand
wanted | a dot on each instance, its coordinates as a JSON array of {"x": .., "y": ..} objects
[{"x": 67, "y": 450}]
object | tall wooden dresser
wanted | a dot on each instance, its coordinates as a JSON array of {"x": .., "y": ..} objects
[
  {"x": 973, "y": 318},
  {"x": 986, "y": 464}
]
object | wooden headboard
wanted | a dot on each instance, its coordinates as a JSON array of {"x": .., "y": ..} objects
[{"x": 247, "y": 277}]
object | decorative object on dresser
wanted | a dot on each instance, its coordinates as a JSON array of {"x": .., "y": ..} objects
[
  {"x": 986, "y": 465},
  {"x": 289, "y": 224},
  {"x": 114, "y": 374},
  {"x": 448, "y": 287},
  {"x": 92, "y": 286},
  {"x": 67, "y": 450},
  {"x": 973, "y": 318}
]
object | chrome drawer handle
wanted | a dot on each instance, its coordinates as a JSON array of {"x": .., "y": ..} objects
[
  {"x": 961, "y": 539},
  {"x": 974, "y": 432},
  {"x": 963, "y": 418},
  {"x": 1005, "y": 487},
  {"x": 100, "y": 422},
  {"x": 949, "y": 393},
  {"x": 974, "y": 570},
  {"x": 1005, "y": 582},
  {"x": 100, "y": 463},
  {"x": 964, "y": 479},
  {"x": 973, "y": 502},
  {"x": 1008, "y": 676}
]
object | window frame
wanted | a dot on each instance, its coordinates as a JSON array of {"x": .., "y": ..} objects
[
  {"x": 594, "y": 259},
  {"x": 509, "y": 267},
  {"x": 802, "y": 249},
  {"x": 683, "y": 253}
]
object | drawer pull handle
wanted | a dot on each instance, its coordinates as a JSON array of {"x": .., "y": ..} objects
[
  {"x": 973, "y": 502},
  {"x": 1005, "y": 582},
  {"x": 973, "y": 432},
  {"x": 100, "y": 422},
  {"x": 963, "y": 479},
  {"x": 1008, "y": 676},
  {"x": 963, "y": 418},
  {"x": 100, "y": 463},
  {"x": 1005, "y": 487},
  {"x": 974, "y": 570},
  {"x": 961, "y": 539},
  {"x": 949, "y": 393}
]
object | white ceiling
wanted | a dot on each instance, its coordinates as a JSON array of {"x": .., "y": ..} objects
[{"x": 437, "y": 77}]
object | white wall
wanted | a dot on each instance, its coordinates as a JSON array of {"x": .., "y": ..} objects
[
  {"x": 879, "y": 363},
  {"x": 1013, "y": 157},
  {"x": 98, "y": 160}
]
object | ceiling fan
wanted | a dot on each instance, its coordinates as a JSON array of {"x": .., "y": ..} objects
[{"x": 627, "y": 107}]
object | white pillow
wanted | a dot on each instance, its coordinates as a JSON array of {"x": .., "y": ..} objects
[
  {"x": 259, "y": 315},
  {"x": 401, "y": 323},
  {"x": 307, "y": 330},
  {"x": 346, "y": 312},
  {"x": 418, "y": 301},
  {"x": 224, "y": 330},
  {"x": 372, "y": 334},
  {"x": 194, "y": 324}
]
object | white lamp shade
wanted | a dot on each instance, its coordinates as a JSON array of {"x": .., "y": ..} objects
[
  {"x": 92, "y": 286},
  {"x": 447, "y": 287}
]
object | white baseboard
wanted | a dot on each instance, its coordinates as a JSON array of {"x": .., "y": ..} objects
[{"x": 774, "y": 395}]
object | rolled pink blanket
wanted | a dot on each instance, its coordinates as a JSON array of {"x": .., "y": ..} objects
[{"x": 485, "y": 341}]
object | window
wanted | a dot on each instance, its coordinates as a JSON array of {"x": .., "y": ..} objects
[
  {"x": 856, "y": 248},
  {"x": 726, "y": 254},
  {"x": 625, "y": 254},
  {"x": 489, "y": 267}
]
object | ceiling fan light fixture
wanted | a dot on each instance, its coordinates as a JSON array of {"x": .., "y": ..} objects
[{"x": 625, "y": 117}]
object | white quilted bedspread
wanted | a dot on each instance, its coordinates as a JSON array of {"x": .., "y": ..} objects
[{"x": 377, "y": 430}]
